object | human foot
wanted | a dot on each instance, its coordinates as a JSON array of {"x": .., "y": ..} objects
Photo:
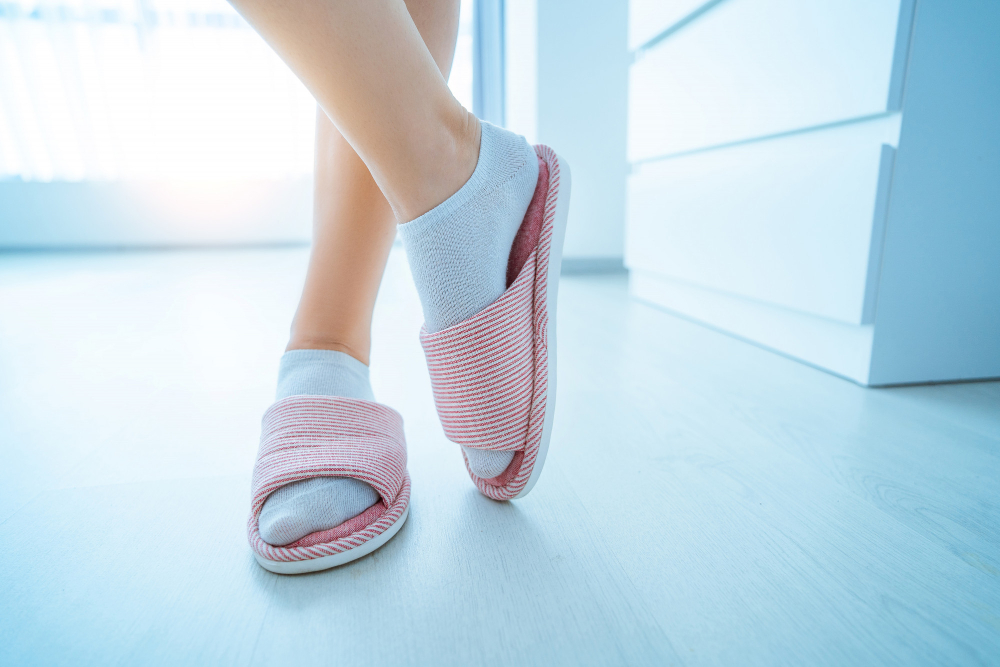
[
  {"x": 307, "y": 437},
  {"x": 458, "y": 251},
  {"x": 494, "y": 373},
  {"x": 318, "y": 503}
]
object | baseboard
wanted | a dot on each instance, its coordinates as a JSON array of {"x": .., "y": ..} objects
[
  {"x": 839, "y": 348},
  {"x": 584, "y": 265}
]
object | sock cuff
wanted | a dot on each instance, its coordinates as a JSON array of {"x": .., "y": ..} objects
[
  {"x": 322, "y": 373},
  {"x": 502, "y": 155}
]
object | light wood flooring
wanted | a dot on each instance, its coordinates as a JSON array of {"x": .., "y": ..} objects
[{"x": 705, "y": 502}]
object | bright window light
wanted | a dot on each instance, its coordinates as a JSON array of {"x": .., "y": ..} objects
[{"x": 155, "y": 89}]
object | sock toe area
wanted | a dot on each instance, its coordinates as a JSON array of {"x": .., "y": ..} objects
[
  {"x": 486, "y": 463},
  {"x": 310, "y": 505}
]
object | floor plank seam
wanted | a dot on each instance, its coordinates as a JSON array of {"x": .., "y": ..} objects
[{"x": 20, "y": 507}]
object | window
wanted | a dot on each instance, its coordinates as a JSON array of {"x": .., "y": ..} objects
[{"x": 154, "y": 89}]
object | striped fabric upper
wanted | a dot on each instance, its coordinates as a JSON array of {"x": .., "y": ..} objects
[
  {"x": 483, "y": 369},
  {"x": 490, "y": 372},
  {"x": 328, "y": 436}
]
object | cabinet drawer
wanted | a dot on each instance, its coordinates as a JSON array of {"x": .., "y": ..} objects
[
  {"x": 795, "y": 221},
  {"x": 753, "y": 68},
  {"x": 648, "y": 18}
]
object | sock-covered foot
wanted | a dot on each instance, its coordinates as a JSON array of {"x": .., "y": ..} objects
[
  {"x": 458, "y": 251},
  {"x": 298, "y": 509}
]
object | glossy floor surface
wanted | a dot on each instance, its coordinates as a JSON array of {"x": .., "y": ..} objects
[{"x": 705, "y": 502}]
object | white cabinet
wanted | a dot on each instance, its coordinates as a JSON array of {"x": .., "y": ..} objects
[
  {"x": 818, "y": 177},
  {"x": 796, "y": 222},
  {"x": 752, "y": 68}
]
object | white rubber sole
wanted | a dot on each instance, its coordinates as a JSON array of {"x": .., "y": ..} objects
[
  {"x": 551, "y": 302},
  {"x": 333, "y": 560}
]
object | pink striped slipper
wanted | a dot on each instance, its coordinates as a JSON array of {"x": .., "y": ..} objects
[
  {"x": 325, "y": 436},
  {"x": 494, "y": 375}
]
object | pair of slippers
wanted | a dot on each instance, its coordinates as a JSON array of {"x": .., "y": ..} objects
[{"x": 493, "y": 377}]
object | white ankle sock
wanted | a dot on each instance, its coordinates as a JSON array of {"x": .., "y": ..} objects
[
  {"x": 298, "y": 509},
  {"x": 458, "y": 251}
]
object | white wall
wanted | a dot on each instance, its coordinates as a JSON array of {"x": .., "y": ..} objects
[{"x": 567, "y": 85}]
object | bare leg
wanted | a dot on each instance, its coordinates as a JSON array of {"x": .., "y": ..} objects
[
  {"x": 366, "y": 64},
  {"x": 354, "y": 226}
]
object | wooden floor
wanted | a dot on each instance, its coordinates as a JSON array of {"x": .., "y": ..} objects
[{"x": 705, "y": 502}]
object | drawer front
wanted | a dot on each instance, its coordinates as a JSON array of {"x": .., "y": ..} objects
[
  {"x": 648, "y": 18},
  {"x": 795, "y": 221},
  {"x": 753, "y": 68}
]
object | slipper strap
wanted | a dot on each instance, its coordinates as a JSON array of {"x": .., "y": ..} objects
[
  {"x": 482, "y": 370},
  {"x": 326, "y": 436}
]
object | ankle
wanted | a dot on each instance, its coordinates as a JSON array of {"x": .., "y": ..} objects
[
  {"x": 468, "y": 134},
  {"x": 360, "y": 350},
  {"x": 447, "y": 161},
  {"x": 460, "y": 251},
  {"x": 321, "y": 372}
]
